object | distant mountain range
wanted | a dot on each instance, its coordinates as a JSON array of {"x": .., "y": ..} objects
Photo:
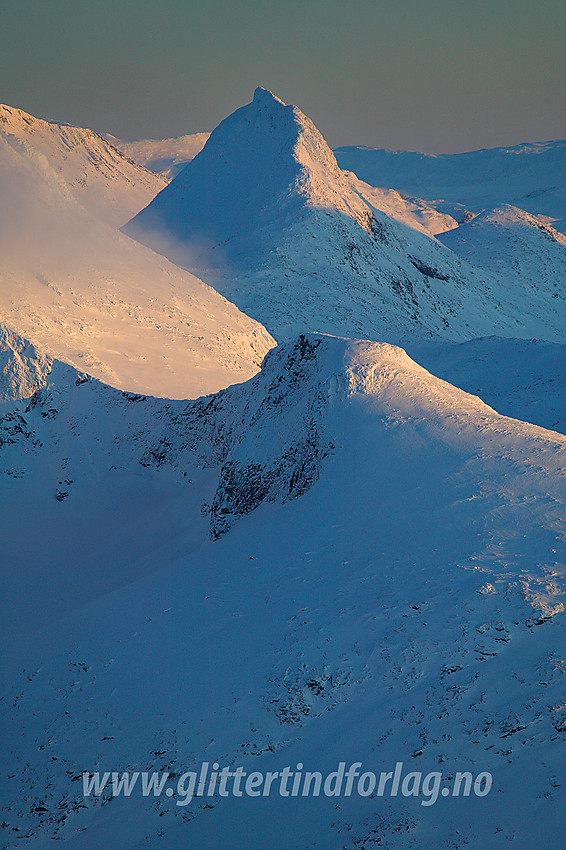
[
  {"x": 531, "y": 176},
  {"x": 166, "y": 157}
]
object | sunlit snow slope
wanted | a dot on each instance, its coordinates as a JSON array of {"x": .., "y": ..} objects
[
  {"x": 95, "y": 298},
  {"x": 265, "y": 215},
  {"x": 100, "y": 177},
  {"x": 384, "y": 583}
]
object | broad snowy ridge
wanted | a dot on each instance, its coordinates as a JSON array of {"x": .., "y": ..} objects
[
  {"x": 511, "y": 241},
  {"x": 388, "y": 584}
]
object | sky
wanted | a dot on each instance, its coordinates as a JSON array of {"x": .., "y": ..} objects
[{"x": 433, "y": 75}]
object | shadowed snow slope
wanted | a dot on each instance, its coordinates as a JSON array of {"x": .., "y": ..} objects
[
  {"x": 93, "y": 297},
  {"x": 265, "y": 215},
  {"x": 344, "y": 559},
  {"x": 105, "y": 181},
  {"x": 522, "y": 378},
  {"x": 531, "y": 176}
]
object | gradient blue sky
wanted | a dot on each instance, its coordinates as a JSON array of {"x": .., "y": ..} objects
[{"x": 437, "y": 76}]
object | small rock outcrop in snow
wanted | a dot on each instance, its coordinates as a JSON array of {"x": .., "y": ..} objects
[{"x": 23, "y": 369}]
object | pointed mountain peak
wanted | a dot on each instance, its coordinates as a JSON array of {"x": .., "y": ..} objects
[
  {"x": 264, "y": 165},
  {"x": 264, "y": 96}
]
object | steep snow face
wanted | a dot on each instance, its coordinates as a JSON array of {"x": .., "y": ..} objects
[
  {"x": 397, "y": 566},
  {"x": 265, "y": 215},
  {"x": 99, "y": 176},
  {"x": 95, "y": 298},
  {"x": 516, "y": 244},
  {"x": 166, "y": 157},
  {"x": 531, "y": 176}
]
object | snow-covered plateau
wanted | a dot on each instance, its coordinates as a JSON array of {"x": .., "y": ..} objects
[{"x": 276, "y": 558}]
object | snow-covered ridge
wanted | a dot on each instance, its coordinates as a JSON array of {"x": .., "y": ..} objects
[
  {"x": 267, "y": 438},
  {"x": 264, "y": 438},
  {"x": 412, "y": 211},
  {"x": 511, "y": 241},
  {"x": 393, "y": 546},
  {"x": 510, "y": 216},
  {"x": 100, "y": 177}
]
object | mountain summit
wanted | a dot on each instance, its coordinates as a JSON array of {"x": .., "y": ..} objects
[
  {"x": 262, "y": 164},
  {"x": 384, "y": 582},
  {"x": 265, "y": 215}
]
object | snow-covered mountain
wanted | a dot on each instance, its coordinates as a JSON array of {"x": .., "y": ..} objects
[
  {"x": 100, "y": 177},
  {"x": 264, "y": 214},
  {"x": 531, "y": 176},
  {"x": 344, "y": 558},
  {"x": 510, "y": 240},
  {"x": 166, "y": 157},
  {"x": 384, "y": 583},
  {"x": 91, "y": 296}
]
